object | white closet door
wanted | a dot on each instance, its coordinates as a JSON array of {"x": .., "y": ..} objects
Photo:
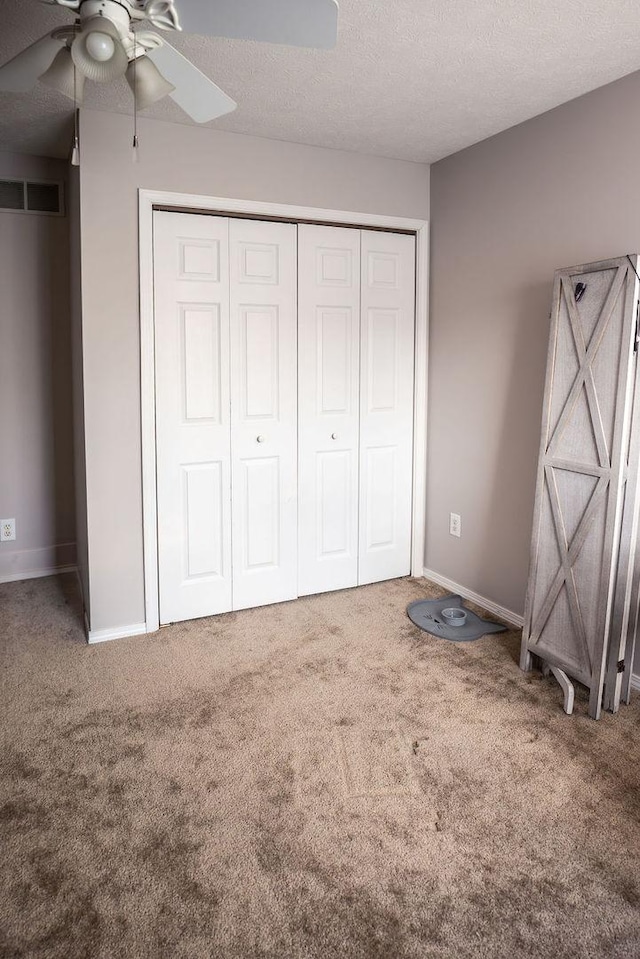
[
  {"x": 328, "y": 363},
  {"x": 263, "y": 411},
  {"x": 386, "y": 404},
  {"x": 191, "y": 278}
]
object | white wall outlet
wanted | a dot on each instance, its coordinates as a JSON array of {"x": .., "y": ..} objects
[
  {"x": 455, "y": 524},
  {"x": 7, "y": 530}
]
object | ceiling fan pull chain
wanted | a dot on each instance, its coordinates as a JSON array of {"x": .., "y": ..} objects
[
  {"x": 75, "y": 152},
  {"x": 136, "y": 152}
]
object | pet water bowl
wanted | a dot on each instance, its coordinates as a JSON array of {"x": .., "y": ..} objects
[{"x": 454, "y": 616}]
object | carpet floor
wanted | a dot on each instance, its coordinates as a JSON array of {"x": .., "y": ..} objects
[{"x": 314, "y": 780}]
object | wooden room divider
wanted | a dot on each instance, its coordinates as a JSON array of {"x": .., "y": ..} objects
[{"x": 582, "y": 596}]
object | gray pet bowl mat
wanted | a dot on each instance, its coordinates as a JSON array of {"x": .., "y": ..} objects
[{"x": 426, "y": 613}]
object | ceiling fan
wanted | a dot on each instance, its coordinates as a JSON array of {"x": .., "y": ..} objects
[{"x": 104, "y": 43}]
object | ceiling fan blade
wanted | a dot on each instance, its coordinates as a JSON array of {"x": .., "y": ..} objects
[
  {"x": 21, "y": 73},
  {"x": 194, "y": 92},
  {"x": 299, "y": 23}
]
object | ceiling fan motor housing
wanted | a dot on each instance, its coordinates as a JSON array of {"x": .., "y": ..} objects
[
  {"x": 118, "y": 13},
  {"x": 161, "y": 13}
]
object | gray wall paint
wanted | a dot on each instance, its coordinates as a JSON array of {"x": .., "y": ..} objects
[
  {"x": 79, "y": 458},
  {"x": 189, "y": 160},
  {"x": 36, "y": 468},
  {"x": 556, "y": 191}
]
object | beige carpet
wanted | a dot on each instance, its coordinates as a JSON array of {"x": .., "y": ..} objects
[{"x": 313, "y": 780}]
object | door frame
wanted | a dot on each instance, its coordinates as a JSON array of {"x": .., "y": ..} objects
[{"x": 150, "y": 200}]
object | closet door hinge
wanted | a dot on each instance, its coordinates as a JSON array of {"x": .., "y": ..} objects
[
  {"x": 637, "y": 336},
  {"x": 620, "y": 666}
]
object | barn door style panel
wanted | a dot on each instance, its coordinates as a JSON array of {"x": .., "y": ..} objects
[
  {"x": 582, "y": 469},
  {"x": 192, "y": 415},
  {"x": 619, "y": 670},
  {"x": 263, "y": 411},
  {"x": 328, "y": 390},
  {"x": 387, "y": 268}
]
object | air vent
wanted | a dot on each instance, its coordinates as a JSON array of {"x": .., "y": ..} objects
[
  {"x": 11, "y": 195},
  {"x": 43, "y": 197},
  {"x": 31, "y": 196}
]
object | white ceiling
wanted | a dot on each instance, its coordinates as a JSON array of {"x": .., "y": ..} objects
[{"x": 414, "y": 79}]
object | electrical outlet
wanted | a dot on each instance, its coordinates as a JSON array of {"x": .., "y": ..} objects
[
  {"x": 7, "y": 530},
  {"x": 455, "y": 524}
]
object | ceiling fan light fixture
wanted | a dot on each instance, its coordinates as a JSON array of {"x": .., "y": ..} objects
[
  {"x": 59, "y": 76},
  {"x": 147, "y": 83},
  {"x": 98, "y": 52}
]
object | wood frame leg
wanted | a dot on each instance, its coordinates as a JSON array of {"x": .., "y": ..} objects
[
  {"x": 526, "y": 661},
  {"x": 567, "y": 687}
]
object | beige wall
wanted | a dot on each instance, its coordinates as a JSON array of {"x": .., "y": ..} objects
[
  {"x": 556, "y": 191},
  {"x": 79, "y": 459},
  {"x": 36, "y": 462},
  {"x": 190, "y": 160}
]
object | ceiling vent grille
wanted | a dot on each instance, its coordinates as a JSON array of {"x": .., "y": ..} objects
[{"x": 31, "y": 196}]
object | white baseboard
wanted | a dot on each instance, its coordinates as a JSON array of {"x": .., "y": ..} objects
[
  {"x": 120, "y": 632},
  {"x": 500, "y": 611},
  {"x": 635, "y": 680},
  {"x": 35, "y": 573},
  {"x": 18, "y": 564}
]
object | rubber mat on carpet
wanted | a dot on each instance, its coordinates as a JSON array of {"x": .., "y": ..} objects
[{"x": 427, "y": 614}]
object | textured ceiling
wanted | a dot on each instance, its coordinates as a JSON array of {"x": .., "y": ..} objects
[{"x": 415, "y": 79}]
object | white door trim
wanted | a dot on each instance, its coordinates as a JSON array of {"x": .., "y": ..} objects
[{"x": 147, "y": 201}]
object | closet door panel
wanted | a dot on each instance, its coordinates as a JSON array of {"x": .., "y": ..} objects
[
  {"x": 263, "y": 412},
  {"x": 192, "y": 415},
  {"x": 328, "y": 356},
  {"x": 386, "y": 404}
]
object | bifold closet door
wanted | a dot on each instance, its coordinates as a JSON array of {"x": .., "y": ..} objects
[
  {"x": 263, "y": 327},
  {"x": 191, "y": 277},
  {"x": 356, "y": 363},
  {"x": 328, "y": 358},
  {"x": 236, "y": 504},
  {"x": 387, "y": 262}
]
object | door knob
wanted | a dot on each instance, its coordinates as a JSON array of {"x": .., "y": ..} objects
[
  {"x": 260, "y": 439},
  {"x": 334, "y": 436}
]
